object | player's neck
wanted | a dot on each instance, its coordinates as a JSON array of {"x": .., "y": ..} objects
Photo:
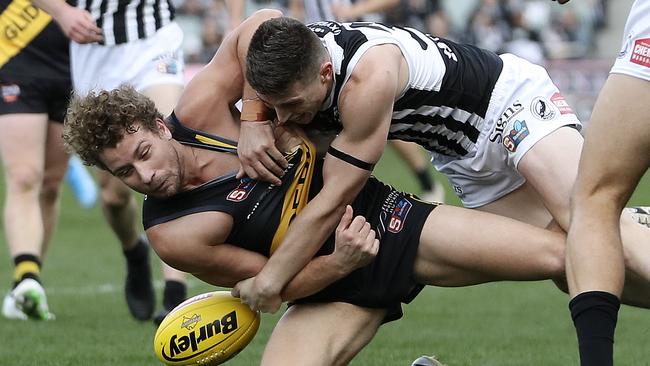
[{"x": 203, "y": 165}]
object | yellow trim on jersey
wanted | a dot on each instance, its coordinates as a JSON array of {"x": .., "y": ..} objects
[
  {"x": 213, "y": 142},
  {"x": 297, "y": 195},
  {"x": 21, "y": 22},
  {"x": 25, "y": 267}
]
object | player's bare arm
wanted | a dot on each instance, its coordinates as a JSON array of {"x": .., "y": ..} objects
[
  {"x": 213, "y": 92},
  {"x": 259, "y": 157},
  {"x": 77, "y": 24},
  {"x": 203, "y": 252},
  {"x": 366, "y": 108}
]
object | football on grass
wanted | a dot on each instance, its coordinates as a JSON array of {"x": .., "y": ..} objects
[{"x": 207, "y": 329}]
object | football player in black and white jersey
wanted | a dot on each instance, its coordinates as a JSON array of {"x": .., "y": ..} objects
[
  {"x": 138, "y": 43},
  {"x": 497, "y": 126}
]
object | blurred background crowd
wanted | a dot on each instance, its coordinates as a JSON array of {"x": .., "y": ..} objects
[{"x": 534, "y": 29}]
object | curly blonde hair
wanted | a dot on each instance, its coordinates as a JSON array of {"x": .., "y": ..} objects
[{"x": 100, "y": 119}]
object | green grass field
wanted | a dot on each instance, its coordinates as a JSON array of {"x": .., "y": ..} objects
[{"x": 496, "y": 324}]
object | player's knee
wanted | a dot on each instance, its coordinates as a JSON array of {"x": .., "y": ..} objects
[
  {"x": 24, "y": 178},
  {"x": 115, "y": 199},
  {"x": 555, "y": 263},
  {"x": 554, "y": 258}
]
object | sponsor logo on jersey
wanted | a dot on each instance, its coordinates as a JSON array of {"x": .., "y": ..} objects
[
  {"x": 242, "y": 191},
  {"x": 10, "y": 93},
  {"x": 502, "y": 122},
  {"x": 21, "y": 22},
  {"x": 561, "y": 103},
  {"x": 398, "y": 217},
  {"x": 516, "y": 135},
  {"x": 168, "y": 67},
  {"x": 541, "y": 109},
  {"x": 641, "y": 52},
  {"x": 458, "y": 190},
  {"x": 168, "y": 63},
  {"x": 387, "y": 209}
]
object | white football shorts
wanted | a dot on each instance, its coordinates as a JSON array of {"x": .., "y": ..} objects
[
  {"x": 634, "y": 58},
  {"x": 524, "y": 108},
  {"x": 142, "y": 63}
]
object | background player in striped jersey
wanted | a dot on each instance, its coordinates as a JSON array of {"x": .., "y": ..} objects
[
  {"x": 134, "y": 42},
  {"x": 35, "y": 86},
  {"x": 497, "y": 126}
]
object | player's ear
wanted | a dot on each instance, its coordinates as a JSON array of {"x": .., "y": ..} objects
[
  {"x": 163, "y": 129},
  {"x": 326, "y": 71}
]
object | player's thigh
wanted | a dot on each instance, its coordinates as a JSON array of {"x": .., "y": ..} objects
[
  {"x": 22, "y": 146},
  {"x": 523, "y": 204},
  {"x": 617, "y": 145},
  {"x": 551, "y": 167},
  {"x": 164, "y": 95},
  {"x": 324, "y": 334},
  {"x": 460, "y": 247}
]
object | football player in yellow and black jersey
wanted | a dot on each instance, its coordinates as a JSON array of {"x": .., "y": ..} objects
[
  {"x": 203, "y": 220},
  {"x": 35, "y": 86}
]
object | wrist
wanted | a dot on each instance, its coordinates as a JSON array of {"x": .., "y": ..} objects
[
  {"x": 267, "y": 286},
  {"x": 338, "y": 267},
  {"x": 56, "y": 9},
  {"x": 254, "y": 110}
]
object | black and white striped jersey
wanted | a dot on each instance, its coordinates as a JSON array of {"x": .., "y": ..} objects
[
  {"x": 444, "y": 104},
  {"x": 128, "y": 20}
]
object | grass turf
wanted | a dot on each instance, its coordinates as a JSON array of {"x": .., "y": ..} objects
[{"x": 494, "y": 324}]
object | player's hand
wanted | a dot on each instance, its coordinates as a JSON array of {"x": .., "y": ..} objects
[
  {"x": 258, "y": 298},
  {"x": 260, "y": 159},
  {"x": 356, "y": 245},
  {"x": 79, "y": 25}
]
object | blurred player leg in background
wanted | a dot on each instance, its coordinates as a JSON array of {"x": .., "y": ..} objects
[
  {"x": 35, "y": 89},
  {"x": 31, "y": 205},
  {"x": 416, "y": 158}
]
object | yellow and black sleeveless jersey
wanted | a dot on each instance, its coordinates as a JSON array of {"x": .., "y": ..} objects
[
  {"x": 31, "y": 44},
  {"x": 262, "y": 213}
]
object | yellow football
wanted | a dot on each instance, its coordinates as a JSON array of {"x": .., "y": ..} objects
[{"x": 207, "y": 329}]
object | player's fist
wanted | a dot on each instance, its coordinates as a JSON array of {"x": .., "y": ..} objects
[{"x": 356, "y": 245}]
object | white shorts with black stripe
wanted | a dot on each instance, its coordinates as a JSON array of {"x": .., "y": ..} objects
[
  {"x": 141, "y": 63},
  {"x": 634, "y": 58},
  {"x": 525, "y": 106}
]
